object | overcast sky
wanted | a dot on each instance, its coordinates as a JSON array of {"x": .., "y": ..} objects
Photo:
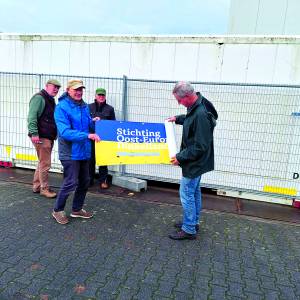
[{"x": 114, "y": 16}]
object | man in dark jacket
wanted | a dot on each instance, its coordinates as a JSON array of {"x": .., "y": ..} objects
[
  {"x": 195, "y": 158},
  {"x": 105, "y": 112},
  {"x": 42, "y": 132}
]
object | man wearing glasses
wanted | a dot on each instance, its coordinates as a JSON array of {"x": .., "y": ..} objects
[
  {"x": 42, "y": 132},
  {"x": 74, "y": 125}
]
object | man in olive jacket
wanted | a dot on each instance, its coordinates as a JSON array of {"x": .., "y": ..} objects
[
  {"x": 195, "y": 158},
  {"x": 42, "y": 132}
]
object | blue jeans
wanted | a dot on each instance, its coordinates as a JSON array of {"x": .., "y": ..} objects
[
  {"x": 190, "y": 196},
  {"x": 76, "y": 178}
]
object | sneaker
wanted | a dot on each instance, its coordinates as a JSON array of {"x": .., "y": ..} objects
[
  {"x": 182, "y": 235},
  {"x": 36, "y": 191},
  {"x": 103, "y": 185},
  {"x": 60, "y": 217},
  {"x": 178, "y": 225},
  {"x": 47, "y": 193},
  {"x": 81, "y": 214}
]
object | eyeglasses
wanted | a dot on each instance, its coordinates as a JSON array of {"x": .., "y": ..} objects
[{"x": 100, "y": 95}]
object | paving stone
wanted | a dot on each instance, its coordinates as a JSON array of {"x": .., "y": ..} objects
[
  {"x": 253, "y": 296},
  {"x": 235, "y": 289},
  {"x": 6, "y": 277},
  {"x": 233, "y": 259},
  {"x": 218, "y": 292},
  {"x": 126, "y": 294},
  {"x": 287, "y": 292},
  {"x": 271, "y": 295},
  {"x": 165, "y": 288},
  {"x": 252, "y": 285},
  {"x": 14, "y": 290},
  {"x": 145, "y": 292}
]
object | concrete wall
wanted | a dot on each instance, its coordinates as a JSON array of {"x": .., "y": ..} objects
[{"x": 199, "y": 58}]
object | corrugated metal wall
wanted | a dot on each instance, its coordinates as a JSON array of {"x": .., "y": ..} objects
[{"x": 214, "y": 59}]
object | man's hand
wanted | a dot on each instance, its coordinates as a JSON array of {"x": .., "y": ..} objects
[
  {"x": 94, "y": 137},
  {"x": 96, "y": 119},
  {"x": 174, "y": 161},
  {"x": 36, "y": 140},
  {"x": 171, "y": 119}
]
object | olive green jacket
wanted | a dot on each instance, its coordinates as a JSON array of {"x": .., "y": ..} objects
[{"x": 36, "y": 108}]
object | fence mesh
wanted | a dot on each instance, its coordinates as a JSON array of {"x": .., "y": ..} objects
[{"x": 256, "y": 138}]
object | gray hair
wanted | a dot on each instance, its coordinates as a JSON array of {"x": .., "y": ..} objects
[{"x": 183, "y": 89}]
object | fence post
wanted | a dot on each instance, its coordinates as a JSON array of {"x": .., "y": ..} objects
[
  {"x": 122, "y": 168},
  {"x": 40, "y": 81},
  {"x": 124, "y": 99}
]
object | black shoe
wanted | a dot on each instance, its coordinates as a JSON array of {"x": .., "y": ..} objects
[
  {"x": 178, "y": 225},
  {"x": 182, "y": 235},
  {"x": 91, "y": 182}
]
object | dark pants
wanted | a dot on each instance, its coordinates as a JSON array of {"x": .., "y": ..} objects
[
  {"x": 76, "y": 178},
  {"x": 103, "y": 170}
]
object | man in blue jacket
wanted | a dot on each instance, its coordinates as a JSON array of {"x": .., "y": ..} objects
[
  {"x": 74, "y": 126},
  {"x": 196, "y": 155}
]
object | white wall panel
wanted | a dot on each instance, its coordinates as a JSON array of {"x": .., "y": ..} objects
[
  {"x": 163, "y": 60},
  {"x": 284, "y": 64},
  {"x": 238, "y": 59},
  {"x": 60, "y": 62},
  {"x": 119, "y": 59},
  {"x": 42, "y": 53},
  {"x": 235, "y": 62},
  {"x": 28, "y": 56},
  {"x": 80, "y": 58},
  {"x": 99, "y": 58},
  {"x": 186, "y": 65},
  {"x": 7, "y": 56},
  {"x": 261, "y": 63},
  {"x": 141, "y": 60},
  {"x": 209, "y": 62}
]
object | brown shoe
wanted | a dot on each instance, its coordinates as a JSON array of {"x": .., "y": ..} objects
[
  {"x": 103, "y": 185},
  {"x": 60, "y": 217},
  {"x": 81, "y": 214},
  {"x": 47, "y": 193}
]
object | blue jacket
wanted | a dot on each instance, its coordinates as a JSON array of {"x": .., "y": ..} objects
[{"x": 74, "y": 124}]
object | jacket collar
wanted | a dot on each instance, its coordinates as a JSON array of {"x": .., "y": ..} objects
[{"x": 196, "y": 104}]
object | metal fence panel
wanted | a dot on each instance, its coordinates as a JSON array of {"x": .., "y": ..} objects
[{"x": 256, "y": 139}]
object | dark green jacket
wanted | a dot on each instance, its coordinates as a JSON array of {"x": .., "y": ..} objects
[{"x": 196, "y": 155}]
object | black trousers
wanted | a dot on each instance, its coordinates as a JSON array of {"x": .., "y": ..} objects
[{"x": 103, "y": 170}]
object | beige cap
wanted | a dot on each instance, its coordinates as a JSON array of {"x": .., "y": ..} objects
[
  {"x": 75, "y": 84},
  {"x": 54, "y": 82}
]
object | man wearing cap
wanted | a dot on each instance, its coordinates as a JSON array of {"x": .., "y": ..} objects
[
  {"x": 105, "y": 112},
  {"x": 42, "y": 132},
  {"x": 74, "y": 125}
]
